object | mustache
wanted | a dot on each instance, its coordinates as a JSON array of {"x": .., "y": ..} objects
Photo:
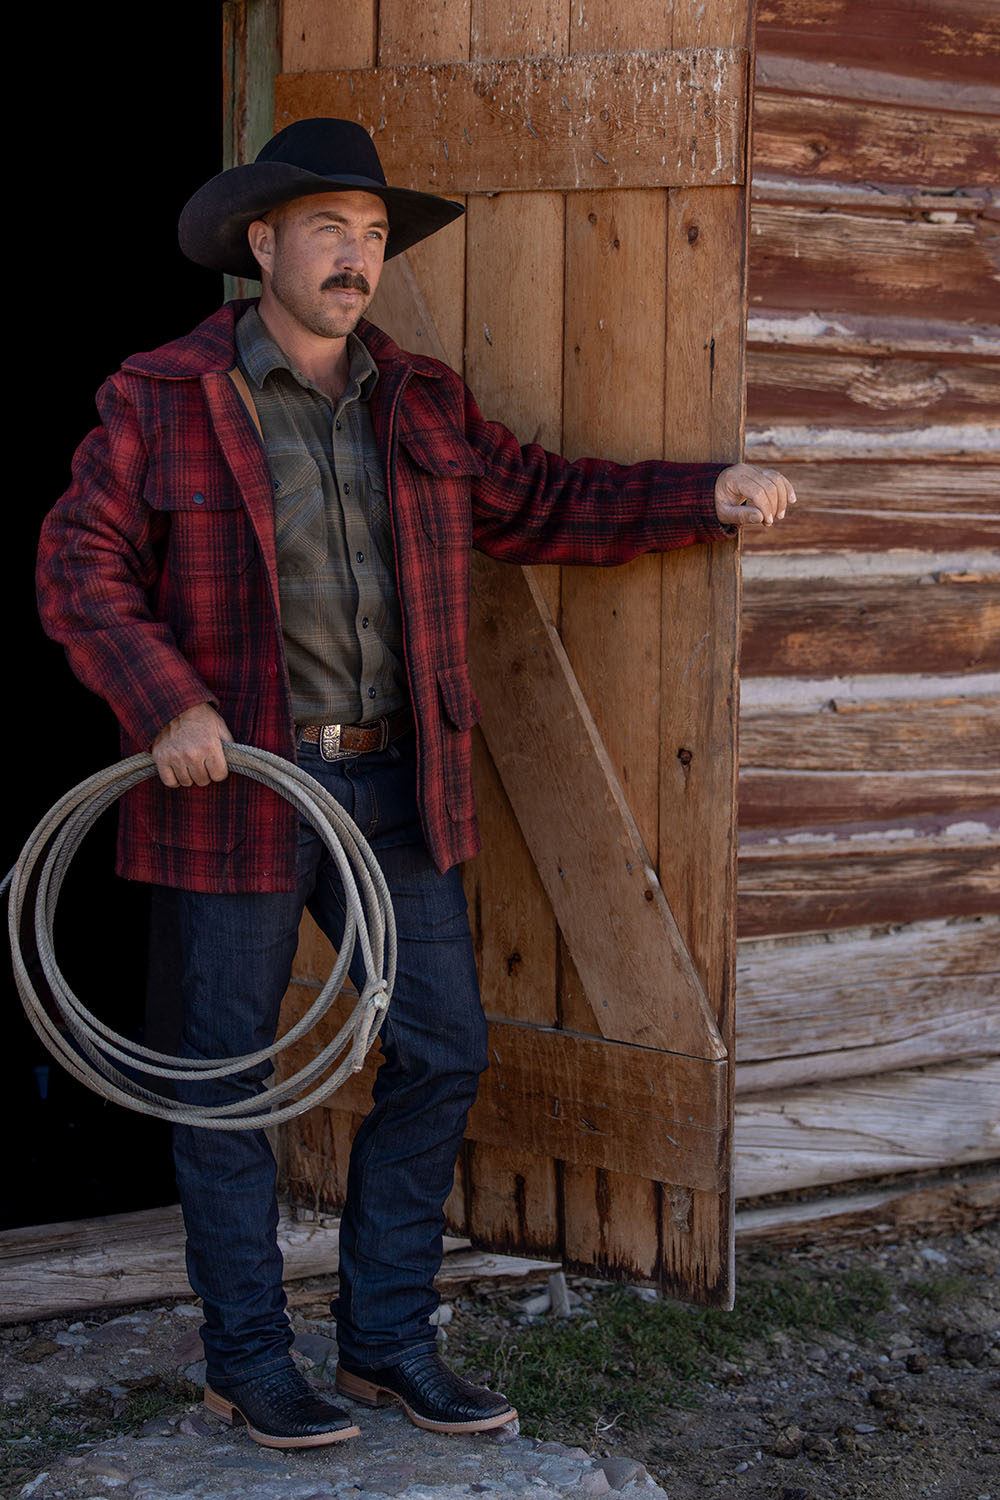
[{"x": 347, "y": 281}]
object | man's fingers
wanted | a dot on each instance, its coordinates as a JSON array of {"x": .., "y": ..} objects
[
  {"x": 189, "y": 750},
  {"x": 194, "y": 771},
  {"x": 756, "y": 497},
  {"x": 216, "y": 764},
  {"x": 768, "y": 493}
]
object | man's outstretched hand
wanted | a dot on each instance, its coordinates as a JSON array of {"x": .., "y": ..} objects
[
  {"x": 748, "y": 496},
  {"x": 188, "y": 751}
]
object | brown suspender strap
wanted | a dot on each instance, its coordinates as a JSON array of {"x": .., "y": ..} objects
[{"x": 239, "y": 381}]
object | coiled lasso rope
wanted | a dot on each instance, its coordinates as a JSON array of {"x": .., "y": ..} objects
[{"x": 92, "y": 1052}]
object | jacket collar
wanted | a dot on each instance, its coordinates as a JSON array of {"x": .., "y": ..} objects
[{"x": 211, "y": 347}]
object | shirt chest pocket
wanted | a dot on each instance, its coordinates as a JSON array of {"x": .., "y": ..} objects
[
  {"x": 441, "y": 475},
  {"x": 206, "y": 534},
  {"x": 301, "y": 523}
]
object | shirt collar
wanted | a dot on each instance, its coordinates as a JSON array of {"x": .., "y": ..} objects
[{"x": 260, "y": 356}]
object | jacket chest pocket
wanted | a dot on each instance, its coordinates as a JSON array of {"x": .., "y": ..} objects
[
  {"x": 441, "y": 472},
  {"x": 207, "y": 535}
]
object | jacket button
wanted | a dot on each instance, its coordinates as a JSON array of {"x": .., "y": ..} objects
[{"x": 198, "y": 498}]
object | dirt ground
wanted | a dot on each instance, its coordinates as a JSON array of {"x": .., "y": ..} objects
[
  {"x": 911, "y": 1408},
  {"x": 904, "y": 1405}
]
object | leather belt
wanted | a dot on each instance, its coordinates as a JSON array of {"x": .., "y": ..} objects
[{"x": 338, "y": 741}]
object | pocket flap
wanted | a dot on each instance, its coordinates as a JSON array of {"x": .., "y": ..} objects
[
  {"x": 445, "y": 455},
  {"x": 460, "y": 702}
]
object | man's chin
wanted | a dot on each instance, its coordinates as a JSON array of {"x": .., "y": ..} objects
[{"x": 345, "y": 321}]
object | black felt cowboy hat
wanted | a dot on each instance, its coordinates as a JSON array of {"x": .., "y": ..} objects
[{"x": 311, "y": 156}]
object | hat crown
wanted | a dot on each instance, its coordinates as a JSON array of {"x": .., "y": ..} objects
[{"x": 330, "y": 148}]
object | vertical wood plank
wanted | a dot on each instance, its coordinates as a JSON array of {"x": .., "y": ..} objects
[
  {"x": 250, "y": 63},
  {"x": 512, "y": 1200},
  {"x": 535, "y": 28},
  {"x": 612, "y": 1222},
  {"x": 317, "y": 35},
  {"x": 695, "y": 1234},
  {"x": 513, "y": 340},
  {"x": 704, "y": 412},
  {"x": 512, "y": 923},
  {"x": 615, "y": 316},
  {"x": 704, "y": 416},
  {"x": 434, "y": 31},
  {"x": 439, "y": 266},
  {"x": 710, "y": 23},
  {"x": 619, "y": 26}
]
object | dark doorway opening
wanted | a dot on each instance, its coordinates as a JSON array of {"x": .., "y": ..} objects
[{"x": 127, "y": 125}]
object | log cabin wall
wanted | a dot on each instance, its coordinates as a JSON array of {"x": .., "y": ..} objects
[{"x": 869, "y": 953}]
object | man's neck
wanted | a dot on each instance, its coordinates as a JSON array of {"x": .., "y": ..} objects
[{"x": 323, "y": 361}]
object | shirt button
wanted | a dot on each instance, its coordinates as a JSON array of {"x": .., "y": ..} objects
[
  {"x": 198, "y": 498},
  {"x": 361, "y": 557},
  {"x": 372, "y": 693}
]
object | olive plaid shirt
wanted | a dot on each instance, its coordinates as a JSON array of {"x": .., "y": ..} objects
[{"x": 340, "y": 616}]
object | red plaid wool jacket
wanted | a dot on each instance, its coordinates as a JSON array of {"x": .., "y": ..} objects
[{"x": 157, "y": 572}]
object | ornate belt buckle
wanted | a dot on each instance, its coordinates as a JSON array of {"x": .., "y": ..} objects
[{"x": 329, "y": 741}]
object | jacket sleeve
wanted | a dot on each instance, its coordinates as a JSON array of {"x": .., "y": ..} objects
[
  {"x": 97, "y": 563},
  {"x": 531, "y": 506}
]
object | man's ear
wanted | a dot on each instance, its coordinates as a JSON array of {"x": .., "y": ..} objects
[{"x": 260, "y": 236}]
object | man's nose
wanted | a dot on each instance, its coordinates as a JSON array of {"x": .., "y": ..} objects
[{"x": 351, "y": 251}]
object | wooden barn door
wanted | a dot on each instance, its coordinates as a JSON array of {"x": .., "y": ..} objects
[{"x": 593, "y": 298}]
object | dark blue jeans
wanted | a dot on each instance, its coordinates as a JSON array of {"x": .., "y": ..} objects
[{"x": 237, "y": 954}]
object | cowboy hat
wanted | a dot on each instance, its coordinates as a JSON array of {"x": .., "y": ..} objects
[{"x": 311, "y": 156}]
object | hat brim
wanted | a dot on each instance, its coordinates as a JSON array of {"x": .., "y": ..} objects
[{"x": 213, "y": 225}]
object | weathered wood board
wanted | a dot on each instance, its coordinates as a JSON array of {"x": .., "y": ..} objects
[
  {"x": 122, "y": 1259},
  {"x": 954, "y": 41},
  {"x": 618, "y": 120},
  {"x": 823, "y": 799},
  {"x": 918, "y": 261},
  {"x": 847, "y": 138},
  {"x": 916, "y": 1207},
  {"x": 806, "y": 1008},
  {"x": 811, "y": 627},
  {"x": 952, "y": 725},
  {"x": 806, "y": 386},
  {"x": 815, "y": 884},
  {"x": 575, "y": 1098},
  {"x": 789, "y": 1139},
  {"x": 859, "y": 507}
]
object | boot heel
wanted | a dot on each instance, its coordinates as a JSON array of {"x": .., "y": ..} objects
[
  {"x": 360, "y": 1390},
  {"x": 224, "y": 1409}
]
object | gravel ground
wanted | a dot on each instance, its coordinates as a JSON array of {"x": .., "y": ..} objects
[{"x": 909, "y": 1407}]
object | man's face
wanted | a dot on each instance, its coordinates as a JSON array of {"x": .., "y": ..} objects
[{"x": 321, "y": 258}]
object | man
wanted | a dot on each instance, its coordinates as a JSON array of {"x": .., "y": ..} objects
[{"x": 305, "y": 590}]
